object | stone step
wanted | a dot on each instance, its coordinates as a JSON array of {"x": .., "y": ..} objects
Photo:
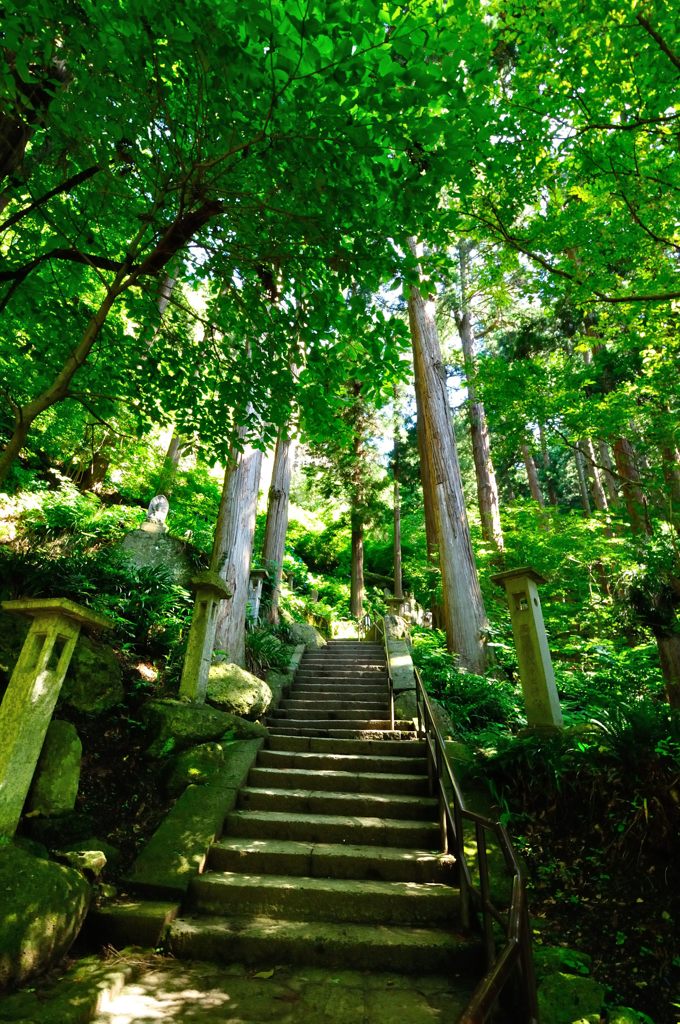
[
  {"x": 322, "y": 721},
  {"x": 348, "y": 763},
  {"x": 369, "y": 664},
  {"x": 323, "y": 944},
  {"x": 330, "y": 860},
  {"x": 340, "y": 674},
  {"x": 340, "y": 781},
  {"x": 313, "y": 691},
  {"x": 316, "y": 732},
  {"x": 330, "y": 704},
  {"x": 333, "y": 828},
  {"x": 310, "y": 801},
  {"x": 324, "y": 745},
  {"x": 321, "y": 713},
  {"x": 341, "y": 900}
]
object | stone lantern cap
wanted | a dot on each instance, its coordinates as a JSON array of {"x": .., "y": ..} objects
[
  {"x": 259, "y": 573},
  {"x": 36, "y": 606},
  {"x": 524, "y": 571},
  {"x": 212, "y": 583}
]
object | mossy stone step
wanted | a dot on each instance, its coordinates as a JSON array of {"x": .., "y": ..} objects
[
  {"x": 306, "y": 761},
  {"x": 330, "y": 860},
  {"x": 337, "y": 781},
  {"x": 307, "y": 801},
  {"x": 312, "y": 943},
  {"x": 382, "y": 747},
  {"x": 333, "y": 828}
]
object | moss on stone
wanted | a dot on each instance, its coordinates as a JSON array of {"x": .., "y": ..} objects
[
  {"x": 44, "y": 905},
  {"x": 233, "y": 689}
]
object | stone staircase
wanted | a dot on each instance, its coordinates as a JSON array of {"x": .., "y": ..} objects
[{"x": 331, "y": 858}]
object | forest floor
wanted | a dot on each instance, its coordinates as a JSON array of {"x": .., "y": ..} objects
[{"x": 620, "y": 914}]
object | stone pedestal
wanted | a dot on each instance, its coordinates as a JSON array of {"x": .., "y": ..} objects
[
  {"x": 210, "y": 589},
  {"x": 535, "y": 665},
  {"x": 32, "y": 693}
]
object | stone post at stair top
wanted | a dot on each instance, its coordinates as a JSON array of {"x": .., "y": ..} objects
[
  {"x": 32, "y": 692},
  {"x": 535, "y": 666},
  {"x": 156, "y": 515},
  {"x": 210, "y": 589},
  {"x": 255, "y": 587}
]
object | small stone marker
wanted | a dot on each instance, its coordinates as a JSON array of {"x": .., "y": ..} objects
[
  {"x": 32, "y": 692},
  {"x": 535, "y": 665},
  {"x": 57, "y": 775},
  {"x": 156, "y": 515},
  {"x": 210, "y": 589}
]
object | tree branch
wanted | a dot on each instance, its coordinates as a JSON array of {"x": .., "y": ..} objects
[
  {"x": 663, "y": 45},
  {"x": 66, "y": 186}
]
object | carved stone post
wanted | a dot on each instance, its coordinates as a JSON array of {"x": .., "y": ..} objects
[
  {"x": 33, "y": 690},
  {"x": 255, "y": 587},
  {"x": 535, "y": 665},
  {"x": 210, "y": 589}
]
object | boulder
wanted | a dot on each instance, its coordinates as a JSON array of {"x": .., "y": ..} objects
[
  {"x": 61, "y": 831},
  {"x": 88, "y": 862},
  {"x": 624, "y": 1015},
  {"x": 151, "y": 546},
  {"x": 44, "y": 905},
  {"x": 548, "y": 959},
  {"x": 197, "y": 766},
  {"x": 57, "y": 774},
  {"x": 304, "y": 633},
  {"x": 564, "y": 998},
  {"x": 231, "y": 688},
  {"x": 94, "y": 681},
  {"x": 177, "y": 725}
]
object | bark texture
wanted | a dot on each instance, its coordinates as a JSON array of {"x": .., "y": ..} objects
[
  {"x": 464, "y": 606},
  {"x": 232, "y": 549},
  {"x": 485, "y": 474},
  {"x": 277, "y": 519},
  {"x": 624, "y": 456},
  {"x": 532, "y": 475}
]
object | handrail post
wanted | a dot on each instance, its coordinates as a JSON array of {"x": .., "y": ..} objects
[{"x": 487, "y": 921}]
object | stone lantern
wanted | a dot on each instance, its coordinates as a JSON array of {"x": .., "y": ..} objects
[
  {"x": 32, "y": 693},
  {"x": 255, "y": 585},
  {"x": 210, "y": 589},
  {"x": 535, "y": 665}
]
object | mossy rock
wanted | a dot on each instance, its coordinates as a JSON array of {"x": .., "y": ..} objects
[
  {"x": 304, "y": 633},
  {"x": 60, "y": 831},
  {"x": 57, "y": 774},
  {"x": 548, "y": 959},
  {"x": 195, "y": 766},
  {"x": 177, "y": 725},
  {"x": 565, "y": 998},
  {"x": 111, "y": 852},
  {"x": 624, "y": 1015},
  {"x": 44, "y": 905},
  {"x": 233, "y": 689}
]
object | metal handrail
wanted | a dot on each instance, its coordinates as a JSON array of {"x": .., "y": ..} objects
[{"x": 512, "y": 965}]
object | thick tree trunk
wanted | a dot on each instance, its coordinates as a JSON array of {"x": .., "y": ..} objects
[
  {"x": 532, "y": 475},
  {"x": 232, "y": 549},
  {"x": 545, "y": 455},
  {"x": 465, "y": 613},
  {"x": 427, "y": 488},
  {"x": 633, "y": 497},
  {"x": 357, "y": 588},
  {"x": 166, "y": 477},
  {"x": 487, "y": 488},
  {"x": 277, "y": 519},
  {"x": 398, "y": 586},
  {"x": 582, "y": 479}
]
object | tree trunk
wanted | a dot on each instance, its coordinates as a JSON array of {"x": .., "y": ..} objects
[
  {"x": 357, "y": 590},
  {"x": 427, "y": 488},
  {"x": 596, "y": 487},
  {"x": 25, "y": 416},
  {"x": 166, "y": 477},
  {"x": 232, "y": 549},
  {"x": 582, "y": 479},
  {"x": 277, "y": 519},
  {"x": 669, "y": 656},
  {"x": 487, "y": 488},
  {"x": 464, "y": 607},
  {"x": 532, "y": 475},
  {"x": 398, "y": 587},
  {"x": 633, "y": 497},
  {"x": 545, "y": 455},
  {"x": 607, "y": 473}
]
